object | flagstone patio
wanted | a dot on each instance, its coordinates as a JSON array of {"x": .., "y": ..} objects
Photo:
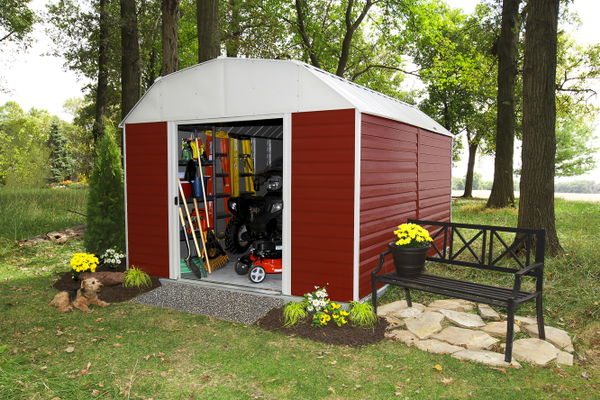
[{"x": 447, "y": 327}]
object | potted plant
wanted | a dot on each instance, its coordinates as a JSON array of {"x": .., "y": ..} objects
[{"x": 410, "y": 250}]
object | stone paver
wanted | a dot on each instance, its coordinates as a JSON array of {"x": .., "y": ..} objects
[
  {"x": 425, "y": 325},
  {"x": 499, "y": 328},
  {"x": 402, "y": 336},
  {"x": 488, "y": 312},
  {"x": 559, "y": 338},
  {"x": 534, "y": 351},
  {"x": 464, "y": 320},
  {"x": 454, "y": 305},
  {"x": 423, "y": 330},
  {"x": 435, "y": 346},
  {"x": 486, "y": 357},
  {"x": 564, "y": 358},
  {"x": 393, "y": 322},
  {"x": 408, "y": 312},
  {"x": 465, "y": 337},
  {"x": 391, "y": 307}
]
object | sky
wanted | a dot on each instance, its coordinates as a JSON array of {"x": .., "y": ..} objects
[{"x": 41, "y": 81}]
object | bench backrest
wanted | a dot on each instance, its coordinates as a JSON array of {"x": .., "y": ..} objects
[{"x": 482, "y": 246}]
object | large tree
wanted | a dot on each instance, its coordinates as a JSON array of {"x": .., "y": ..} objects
[
  {"x": 502, "y": 193},
  {"x": 102, "y": 82},
  {"x": 170, "y": 36},
  {"x": 536, "y": 206},
  {"x": 209, "y": 40},
  {"x": 130, "y": 57}
]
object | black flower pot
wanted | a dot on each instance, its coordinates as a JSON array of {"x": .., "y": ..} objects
[{"x": 409, "y": 261}]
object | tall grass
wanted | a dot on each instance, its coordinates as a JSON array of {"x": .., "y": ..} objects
[{"x": 25, "y": 213}]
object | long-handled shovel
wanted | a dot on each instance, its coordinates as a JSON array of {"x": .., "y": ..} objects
[
  {"x": 187, "y": 211},
  {"x": 221, "y": 259},
  {"x": 188, "y": 260}
]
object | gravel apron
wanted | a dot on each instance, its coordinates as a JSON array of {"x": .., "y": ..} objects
[{"x": 228, "y": 305}]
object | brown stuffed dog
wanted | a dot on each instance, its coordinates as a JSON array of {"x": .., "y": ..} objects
[{"x": 80, "y": 298}]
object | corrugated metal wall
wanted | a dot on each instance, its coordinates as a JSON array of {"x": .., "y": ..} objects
[
  {"x": 405, "y": 173},
  {"x": 147, "y": 197},
  {"x": 323, "y": 202}
]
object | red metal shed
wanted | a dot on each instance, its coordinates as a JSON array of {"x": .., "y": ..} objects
[{"x": 356, "y": 165}]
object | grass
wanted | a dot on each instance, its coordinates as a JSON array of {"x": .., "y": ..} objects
[{"x": 134, "y": 351}]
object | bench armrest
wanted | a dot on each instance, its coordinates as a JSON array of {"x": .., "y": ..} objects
[
  {"x": 381, "y": 259},
  {"x": 530, "y": 268}
]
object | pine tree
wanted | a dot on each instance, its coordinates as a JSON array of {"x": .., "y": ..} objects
[
  {"x": 61, "y": 159},
  {"x": 106, "y": 199}
]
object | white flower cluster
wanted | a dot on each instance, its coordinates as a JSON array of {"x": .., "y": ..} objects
[
  {"x": 317, "y": 300},
  {"x": 112, "y": 258}
]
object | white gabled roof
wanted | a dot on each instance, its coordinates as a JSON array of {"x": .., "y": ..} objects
[{"x": 240, "y": 87}]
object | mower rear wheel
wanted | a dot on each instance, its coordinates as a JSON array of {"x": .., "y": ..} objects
[
  {"x": 233, "y": 236},
  {"x": 242, "y": 266},
  {"x": 257, "y": 274}
]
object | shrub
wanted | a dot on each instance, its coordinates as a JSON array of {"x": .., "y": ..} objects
[
  {"x": 106, "y": 199},
  {"x": 362, "y": 315}
]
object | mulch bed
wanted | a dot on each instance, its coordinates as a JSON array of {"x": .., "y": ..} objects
[
  {"x": 345, "y": 335},
  {"x": 110, "y": 294}
]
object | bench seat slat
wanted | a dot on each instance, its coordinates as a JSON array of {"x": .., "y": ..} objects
[{"x": 441, "y": 285}]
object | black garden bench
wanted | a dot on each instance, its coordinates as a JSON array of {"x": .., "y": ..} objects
[{"x": 481, "y": 247}]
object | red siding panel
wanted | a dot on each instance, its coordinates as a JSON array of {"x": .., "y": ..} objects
[
  {"x": 323, "y": 202},
  {"x": 405, "y": 173},
  {"x": 147, "y": 197}
]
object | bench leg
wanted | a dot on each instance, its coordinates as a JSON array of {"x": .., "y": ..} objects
[
  {"x": 374, "y": 295},
  {"x": 510, "y": 330},
  {"x": 407, "y": 294},
  {"x": 540, "y": 317}
]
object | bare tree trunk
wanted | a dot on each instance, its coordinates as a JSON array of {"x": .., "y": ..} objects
[
  {"x": 170, "y": 17},
  {"x": 233, "y": 44},
  {"x": 536, "y": 205},
  {"x": 209, "y": 41},
  {"x": 102, "y": 88},
  {"x": 470, "y": 170},
  {"x": 130, "y": 60},
  {"x": 502, "y": 194}
]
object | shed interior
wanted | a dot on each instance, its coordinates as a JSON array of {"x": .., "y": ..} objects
[{"x": 264, "y": 139}]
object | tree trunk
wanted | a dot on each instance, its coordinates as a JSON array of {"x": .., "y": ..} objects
[
  {"x": 470, "y": 169},
  {"x": 233, "y": 44},
  {"x": 102, "y": 89},
  {"x": 130, "y": 59},
  {"x": 351, "y": 27},
  {"x": 209, "y": 42},
  {"x": 536, "y": 205},
  {"x": 170, "y": 17},
  {"x": 502, "y": 194}
]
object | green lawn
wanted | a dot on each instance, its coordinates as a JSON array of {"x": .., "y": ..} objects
[{"x": 133, "y": 351}]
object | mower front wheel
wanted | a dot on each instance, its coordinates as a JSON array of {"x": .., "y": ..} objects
[
  {"x": 233, "y": 236},
  {"x": 257, "y": 274}
]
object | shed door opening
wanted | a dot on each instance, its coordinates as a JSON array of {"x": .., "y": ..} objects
[{"x": 236, "y": 193}]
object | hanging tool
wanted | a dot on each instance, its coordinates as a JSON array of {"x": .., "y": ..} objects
[
  {"x": 191, "y": 264},
  {"x": 187, "y": 211},
  {"x": 220, "y": 258}
]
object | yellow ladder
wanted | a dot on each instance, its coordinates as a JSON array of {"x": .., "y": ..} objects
[{"x": 242, "y": 166}]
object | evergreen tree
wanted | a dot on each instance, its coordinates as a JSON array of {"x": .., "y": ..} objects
[
  {"x": 61, "y": 159},
  {"x": 106, "y": 199}
]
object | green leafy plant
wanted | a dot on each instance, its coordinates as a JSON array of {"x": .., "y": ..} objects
[
  {"x": 412, "y": 235},
  {"x": 294, "y": 312},
  {"x": 136, "y": 277},
  {"x": 362, "y": 315},
  {"x": 82, "y": 262}
]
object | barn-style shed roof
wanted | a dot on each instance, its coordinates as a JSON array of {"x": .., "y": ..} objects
[{"x": 241, "y": 87}]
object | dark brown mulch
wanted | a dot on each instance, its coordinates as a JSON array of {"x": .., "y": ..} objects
[
  {"x": 110, "y": 294},
  {"x": 345, "y": 335}
]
